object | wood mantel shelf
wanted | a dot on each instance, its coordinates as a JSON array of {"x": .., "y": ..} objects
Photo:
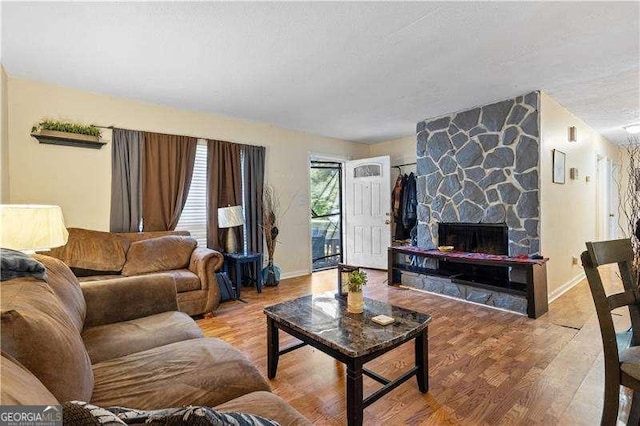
[{"x": 51, "y": 137}]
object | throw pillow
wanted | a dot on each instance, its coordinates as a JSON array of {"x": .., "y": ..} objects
[
  {"x": 190, "y": 416},
  {"x": 159, "y": 254},
  {"x": 16, "y": 264},
  {"x": 83, "y": 413},
  {"x": 78, "y": 412}
]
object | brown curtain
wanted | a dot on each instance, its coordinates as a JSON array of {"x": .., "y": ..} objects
[
  {"x": 224, "y": 182},
  {"x": 254, "y": 158},
  {"x": 126, "y": 180},
  {"x": 168, "y": 167}
]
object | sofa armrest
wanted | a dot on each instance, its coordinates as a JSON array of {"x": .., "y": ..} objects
[
  {"x": 123, "y": 299},
  {"x": 203, "y": 258},
  {"x": 204, "y": 263}
]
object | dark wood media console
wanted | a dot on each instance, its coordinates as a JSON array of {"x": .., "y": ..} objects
[{"x": 534, "y": 272}]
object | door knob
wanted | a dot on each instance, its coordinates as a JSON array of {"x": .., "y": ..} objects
[{"x": 387, "y": 222}]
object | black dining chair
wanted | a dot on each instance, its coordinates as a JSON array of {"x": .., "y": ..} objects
[{"x": 621, "y": 366}]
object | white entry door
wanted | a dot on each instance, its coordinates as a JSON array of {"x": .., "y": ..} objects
[
  {"x": 368, "y": 212},
  {"x": 613, "y": 202}
]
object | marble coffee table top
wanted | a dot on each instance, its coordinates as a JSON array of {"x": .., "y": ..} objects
[{"x": 324, "y": 318}]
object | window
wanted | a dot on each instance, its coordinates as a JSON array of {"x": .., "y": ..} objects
[
  {"x": 367, "y": 170},
  {"x": 194, "y": 214}
]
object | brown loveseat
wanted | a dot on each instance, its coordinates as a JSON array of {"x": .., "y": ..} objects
[
  {"x": 95, "y": 255},
  {"x": 119, "y": 342}
]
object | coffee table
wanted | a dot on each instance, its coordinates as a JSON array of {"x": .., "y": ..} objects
[{"x": 322, "y": 321}]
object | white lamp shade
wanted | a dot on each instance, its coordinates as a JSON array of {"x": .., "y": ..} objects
[
  {"x": 231, "y": 216},
  {"x": 27, "y": 227}
]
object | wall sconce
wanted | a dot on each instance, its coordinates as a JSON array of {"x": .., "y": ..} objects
[
  {"x": 573, "y": 134},
  {"x": 573, "y": 173}
]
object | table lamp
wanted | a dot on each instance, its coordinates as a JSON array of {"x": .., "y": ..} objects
[
  {"x": 229, "y": 217},
  {"x": 31, "y": 227}
]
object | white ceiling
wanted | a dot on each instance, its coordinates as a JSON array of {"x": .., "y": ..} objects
[{"x": 356, "y": 71}]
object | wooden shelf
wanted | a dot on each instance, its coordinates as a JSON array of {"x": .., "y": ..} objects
[
  {"x": 534, "y": 289},
  {"x": 68, "y": 139}
]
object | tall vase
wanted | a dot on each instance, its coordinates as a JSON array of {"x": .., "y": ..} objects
[
  {"x": 355, "y": 302},
  {"x": 271, "y": 275}
]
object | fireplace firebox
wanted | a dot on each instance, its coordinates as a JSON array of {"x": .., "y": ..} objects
[{"x": 490, "y": 238}]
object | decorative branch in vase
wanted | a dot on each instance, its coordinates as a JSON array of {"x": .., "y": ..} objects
[
  {"x": 270, "y": 216},
  {"x": 629, "y": 201}
]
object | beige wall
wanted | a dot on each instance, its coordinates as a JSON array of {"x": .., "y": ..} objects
[
  {"x": 568, "y": 212},
  {"x": 402, "y": 150},
  {"x": 4, "y": 138},
  {"x": 79, "y": 179}
]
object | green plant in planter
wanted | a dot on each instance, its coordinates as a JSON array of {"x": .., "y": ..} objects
[
  {"x": 61, "y": 126},
  {"x": 357, "y": 279}
]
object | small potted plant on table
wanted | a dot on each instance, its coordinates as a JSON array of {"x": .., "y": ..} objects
[{"x": 355, "y": 298}]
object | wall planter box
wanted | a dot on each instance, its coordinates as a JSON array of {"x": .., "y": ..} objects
[{"x": 54, "y": 137}]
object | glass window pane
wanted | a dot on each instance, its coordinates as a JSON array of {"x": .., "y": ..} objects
[
  {"x": 367, "y": 170},
  {"x": 194, "y": 215}
]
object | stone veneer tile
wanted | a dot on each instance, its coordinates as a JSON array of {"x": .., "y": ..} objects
[{"x": 482, "y": 165}]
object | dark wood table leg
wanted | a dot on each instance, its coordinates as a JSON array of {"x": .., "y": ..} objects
[
  {"x": 422, "y": 360},
  {"x": 273, "y": 347},
  {"x": 259, "y": 282},
  {"x": 238, "y": 278},
  {"x": 355, "y": 404}
]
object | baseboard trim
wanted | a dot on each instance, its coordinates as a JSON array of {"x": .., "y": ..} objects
[
  {"x": 294, "y": 274},
  {"x": 566, "y": 287}
]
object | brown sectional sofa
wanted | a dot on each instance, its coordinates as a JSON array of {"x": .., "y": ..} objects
[
  {"x": 98, "y": 256},
  {"x": 119, "y": 342}
]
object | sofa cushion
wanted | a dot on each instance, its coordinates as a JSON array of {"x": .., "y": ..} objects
[
  {"x": 265, "y": 404},
  {"x": 159, "y": 254},
  {"x": 201, "y": 371},
  {"x": 20, "y": 386},
  {"x": 132, "y": 237},
  {"x": 92, "y": 278},
  {"x": 185, "y": 280},
  {"x": 93, "y": 250},
  {"x": 66, "y": 286},
  {"x": 37, "y": 331},
  {"x": 105, "y": 342}
]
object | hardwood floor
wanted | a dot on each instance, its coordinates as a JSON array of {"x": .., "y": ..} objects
[{"x": 486, "y": 367}]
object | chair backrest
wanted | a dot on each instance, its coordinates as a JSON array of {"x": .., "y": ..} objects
[{"x": 604, "y": 253}]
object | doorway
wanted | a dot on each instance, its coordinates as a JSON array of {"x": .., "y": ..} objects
[
  {"x": 325, "y": 179},
  {"x": 607, "y": 199},
  {"x": 368, "y": 212}
]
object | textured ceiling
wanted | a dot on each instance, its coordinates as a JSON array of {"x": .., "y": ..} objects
[{"x": 356, "y": 71}]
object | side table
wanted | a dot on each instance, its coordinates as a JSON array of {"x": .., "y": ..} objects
[{"x": 235, "y": 262}]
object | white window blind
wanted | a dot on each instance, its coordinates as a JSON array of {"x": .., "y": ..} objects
[{"x": 194, "y": 214}]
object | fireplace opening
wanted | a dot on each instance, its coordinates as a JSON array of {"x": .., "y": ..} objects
[
  {"x": 489, "y": 238},
  {"x": 486, "y": 238}
]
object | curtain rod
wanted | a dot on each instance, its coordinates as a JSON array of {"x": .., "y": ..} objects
[{"x": 111, "y": 127}]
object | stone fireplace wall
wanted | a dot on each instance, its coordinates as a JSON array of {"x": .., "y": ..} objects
[{"x": 482, "y": 165}]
